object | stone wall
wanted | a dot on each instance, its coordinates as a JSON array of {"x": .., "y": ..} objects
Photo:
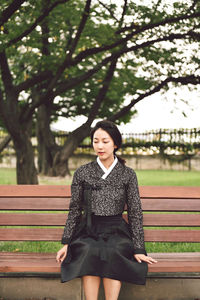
[
  {"x": 137, "y": 162},
  {"x": 23, "y": 288},
  {"x": 143, "y": 162}
]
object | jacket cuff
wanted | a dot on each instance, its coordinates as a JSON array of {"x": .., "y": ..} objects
[
  {"x": 139, "y": 251},
  {"x": 65, "y": 241}
]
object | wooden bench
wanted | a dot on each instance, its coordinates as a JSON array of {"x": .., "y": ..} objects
[{"x": 18, "y": 222}]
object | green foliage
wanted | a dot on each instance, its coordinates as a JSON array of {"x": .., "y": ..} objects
[{"x": 47, "y": 45}]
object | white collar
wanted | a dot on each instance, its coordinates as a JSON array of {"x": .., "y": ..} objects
[{"x": 106, "y": 171}]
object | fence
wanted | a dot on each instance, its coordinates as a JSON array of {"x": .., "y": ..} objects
[
  {"x": 163, "y": 141},
  {"x": 166, "y": 142}
]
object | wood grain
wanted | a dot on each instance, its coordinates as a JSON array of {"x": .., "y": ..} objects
[
  {"x": 55, "y": 219},
  {"x": 45, "y": 262},
  {"x": 65, "y": 191},
  {"x": 55, "y": 234}
]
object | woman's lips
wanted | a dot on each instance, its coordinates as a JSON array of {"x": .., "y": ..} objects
[{"x": 101, "y": 153}]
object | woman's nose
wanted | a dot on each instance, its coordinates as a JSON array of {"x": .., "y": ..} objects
[{"x": 100, "y": 146}]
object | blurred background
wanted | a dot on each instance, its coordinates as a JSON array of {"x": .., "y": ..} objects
[{"x": 65, "y": 65}]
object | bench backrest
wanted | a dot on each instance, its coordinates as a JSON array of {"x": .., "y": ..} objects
[{"x": 38, "y": 213}]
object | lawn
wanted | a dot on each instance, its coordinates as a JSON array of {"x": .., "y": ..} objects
[
  {"x": 168, "y": 177},
  {"x": 145, "y": 177}
]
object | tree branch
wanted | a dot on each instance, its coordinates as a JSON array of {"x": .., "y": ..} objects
[
  {"x": 109, "y": 10},
  {"x": 45, "y": 98},
  {"x": 38, "y": 78},
  {"x": 171, "y": 37},
  {"x": 184, "y": 80},
  {"x": 81, "y": 27},
  {"x": 10, "y": 10},
  {"x": 37, "y": 21},
  {"x": 1, "y": 105},
  {"x": 192, "y": 5},
  {"x": 102, "y": 92},
  {"x": 157, "y": 5},
  {"x": 67, "y": 61},
  {"x": 64, "y": 86},
  {"x": 70, "y": 39},
  {"x": 123, "y": 13},
  {"x": 96, "y": 50},
  {"x": 5, "y": 73},
  {"x": 5, "y": 142},
  {"x": 45, "y": 31},
  {"x": 161, "y": 23},
  {"x": 69, "y": 84},
  {"x": 84, "y": 54}
]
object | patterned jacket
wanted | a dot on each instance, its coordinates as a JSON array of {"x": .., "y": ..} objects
[{"x": 108, "y": 197}]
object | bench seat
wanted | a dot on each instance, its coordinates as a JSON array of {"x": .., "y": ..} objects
[
  {"x": 38, "y": 213},
  {"x": 46, "y": 263}
]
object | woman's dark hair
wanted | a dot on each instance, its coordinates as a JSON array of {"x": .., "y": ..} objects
[{"x": 113, "y": 131}]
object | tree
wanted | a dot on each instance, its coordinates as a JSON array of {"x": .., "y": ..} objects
[{"x": 100, "y": 52}]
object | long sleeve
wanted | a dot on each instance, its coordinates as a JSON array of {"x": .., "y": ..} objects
[
  {"x": 75, "y": 208},
  {"x": 135, "y": 217}
]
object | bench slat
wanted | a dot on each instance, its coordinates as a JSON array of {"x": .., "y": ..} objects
[
  {"x": 65, "y": 191},
  {"x": 38, "y": 219},
  {"x": 35, "y": 190},
  {"x": 184, "y": 192},
  {"x": 30, "y": 234},
  {"x": 45, "y": 262},
  {"x": 171, "y": 204},
  {"x": 54, "y": 234},
  {"x": 63, "y": 204},
  {"x": 172, "y": 256},
  {"x": 34, "y": 203},
  {"x": 169, "y": 220},
  {"x": 172, "y": 235}
]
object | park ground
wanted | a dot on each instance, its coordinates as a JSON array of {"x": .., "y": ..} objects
[{"x": 145, "y": 177}]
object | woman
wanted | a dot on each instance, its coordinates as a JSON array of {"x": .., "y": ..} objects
[{"x": 99, "y": 243}]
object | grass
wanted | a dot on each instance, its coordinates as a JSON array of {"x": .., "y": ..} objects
[
  {"x": 34, "y": 246},
  {"x": 8, "y": 176},
  {"x": 168, "y": 177},
  {"x": 145, "y": 177}
]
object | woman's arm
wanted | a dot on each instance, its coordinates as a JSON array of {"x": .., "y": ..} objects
[
  {"x": 135, "y": 217},
  {"x": 75, "y": 208}
]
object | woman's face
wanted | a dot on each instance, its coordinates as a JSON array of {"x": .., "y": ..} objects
[{"x": 103, "y": 144}]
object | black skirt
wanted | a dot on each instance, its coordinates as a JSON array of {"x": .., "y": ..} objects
[{"x": 105, "y": 251}]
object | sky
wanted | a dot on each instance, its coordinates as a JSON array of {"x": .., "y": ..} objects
[{"x": 155, "y": 112}]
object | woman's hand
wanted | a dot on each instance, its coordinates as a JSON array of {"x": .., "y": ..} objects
[
  {"x": 61, "y": 254},
  {"x": 142, "y": 257}
]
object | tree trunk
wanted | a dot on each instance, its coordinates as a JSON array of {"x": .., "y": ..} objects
[
  {"x": 47, "y": 147},
  {"x": 60, "y": 163},
  {"x": 26, "y": 171},
  {"x": 5, "y": 142}
]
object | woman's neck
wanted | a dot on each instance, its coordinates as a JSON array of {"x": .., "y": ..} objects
[{"x": 108, "y": 162}]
